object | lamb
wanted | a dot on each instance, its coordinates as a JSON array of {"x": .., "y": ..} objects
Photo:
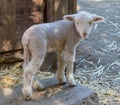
[{"x": 61, "y": 37}]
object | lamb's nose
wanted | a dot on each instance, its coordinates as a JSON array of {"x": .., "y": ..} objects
[{"x": 84, "y": 34}]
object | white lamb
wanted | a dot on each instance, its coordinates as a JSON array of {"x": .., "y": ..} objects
[{"x": 61, "y": 37}]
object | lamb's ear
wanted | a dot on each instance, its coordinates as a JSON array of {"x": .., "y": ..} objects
[
  {"x": 69, "y": 17},
  {"x": 97, "y": 18}
]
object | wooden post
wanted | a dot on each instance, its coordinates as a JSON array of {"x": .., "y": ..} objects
[
  {"x": 49, "y": 11},
  {"x": 8, "y": 25},
  {"x": 60, "y": 9},
  {"x": 72, "y": 6},
  {"x": 55, "y": 9}
]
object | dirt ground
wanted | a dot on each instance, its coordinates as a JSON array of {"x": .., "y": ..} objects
[{"x": 98, "y": 56}]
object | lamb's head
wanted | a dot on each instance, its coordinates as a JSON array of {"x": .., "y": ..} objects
[{"x": 84, "y": 21}]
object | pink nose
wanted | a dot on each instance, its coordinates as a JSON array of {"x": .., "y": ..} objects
[{"x": 84, "y": 34}]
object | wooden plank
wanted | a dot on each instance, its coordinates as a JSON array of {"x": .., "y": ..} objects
[
  {"x": 53, "y": 94},
  {"x": 72, "y": 6},
  {"x": 11, "y": 56}
]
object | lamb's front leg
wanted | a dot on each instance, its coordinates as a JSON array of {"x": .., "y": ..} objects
[
  {"x": 60, "y": 74},
  {"x": 70, "y": 58}
]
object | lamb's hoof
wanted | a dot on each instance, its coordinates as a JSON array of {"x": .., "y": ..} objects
[
  {"x": 71, "y": 83},
  {"x": 38, "y": 86},
  {"x": 62, "y": 83},
  {"x": 27, "y": 94},
  {"x": 27, "y": 97}
]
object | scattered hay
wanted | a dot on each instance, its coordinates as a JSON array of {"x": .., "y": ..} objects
[
  {"x": 12, "y": 75},
  {"x": 101, "y": 79}
]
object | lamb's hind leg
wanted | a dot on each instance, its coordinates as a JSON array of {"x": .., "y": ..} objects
[
  {"x": 28, "y": 77},
  {"x": 30, "y": 72}
]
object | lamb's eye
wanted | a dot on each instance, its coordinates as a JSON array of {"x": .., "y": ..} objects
[{"x": 77, "y": 23}]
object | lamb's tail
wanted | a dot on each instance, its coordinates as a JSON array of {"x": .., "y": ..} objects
[{"x": 26, "y": 56}]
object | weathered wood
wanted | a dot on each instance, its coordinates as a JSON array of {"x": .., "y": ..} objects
[
  {"x": 28, "y": 12},
  {"x": 11, "y": 56},
  {"x": 60, "y": 9},
  {"x": 37, "y": 11},
  {"x": 8, "y": 25},
  {"x": 49, "y": 11},
  {"x": 15, "y": 17},
  {"x": 72, "y": 6},
  {"x": 52, "y": 95},
  {"x": 55, "y": 9}
]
